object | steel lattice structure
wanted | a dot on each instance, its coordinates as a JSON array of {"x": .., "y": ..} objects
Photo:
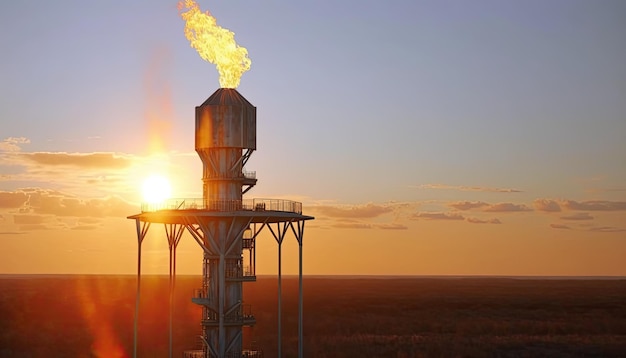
[{"x": 225, "y": 226}]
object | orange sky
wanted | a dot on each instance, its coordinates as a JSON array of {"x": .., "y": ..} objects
[{"x": 448, "y": 139}]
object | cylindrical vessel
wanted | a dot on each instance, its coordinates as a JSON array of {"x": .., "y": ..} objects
[
  {"x": 225, "y": 127},
  {"x": 225, "y": 138}
]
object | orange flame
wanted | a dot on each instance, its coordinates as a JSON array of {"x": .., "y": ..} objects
[{"x": 215, "y": 44}]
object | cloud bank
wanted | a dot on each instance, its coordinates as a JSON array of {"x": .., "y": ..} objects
[{"x": 466, "y": 188}]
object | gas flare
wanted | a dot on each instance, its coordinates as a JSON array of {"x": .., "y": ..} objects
[{"x": 214, "y": 43}]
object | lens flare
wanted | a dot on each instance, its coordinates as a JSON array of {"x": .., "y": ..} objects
[{"x": 214, "y": 44}]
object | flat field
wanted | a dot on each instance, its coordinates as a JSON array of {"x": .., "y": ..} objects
[{"x": 93, "y": 316}]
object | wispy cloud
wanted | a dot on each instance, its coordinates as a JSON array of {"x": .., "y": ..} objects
[
  {"x": 594, "y": 205},
  {"x": 436, "y": 216},
  {"x": 55, "y": 203},
  {"x": 577, "y": 217},
  {"x": 466, "y": 188},
  {"x": 507, "y": 207},
  {"x": 88, "y": 174},
  {"x": 467, "y": 205},
  {"x": 38, "y": 209},
  {"x": 560, "y": 226},
  {"x": 12, "y": 144},
  {"x": 85, "y": 160},
  {"x": 10, "y": 199},
  {"x": 547, "y": 205},
  {"x": 391, "y": 226},
  {"x": 355, "y": 211},
  {"x": 34, "y": 227},
  {"x": 607, "y": 229},
  {"x": 85, "y": 227},
  {"x": 355, "y": 225},
  {"x": 480, "y": 221},
  {"x": 28, "y": 219}
]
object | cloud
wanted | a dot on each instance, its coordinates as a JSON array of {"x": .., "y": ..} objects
[
  {"x": 83, "y": 160},
  {"x": 560, "y": 226},
  {"x": 466, "y": 188},
  {"x": 467, "y": 205},
  {"x": 28, "y": 219},
  {"x": 362, "y": 211},
  {"x": 355, "y": 224},
  {"x": 479, "y": 221},
  {"x": 391, "y": 226},
  {"x": 546, "y": 205},
  {"x": 351, "y": 225},
  {"x": 577, "y": 217},
  {"x": 437, "y": 216},
  {"x": 595, "y": 205},
  {"x": 37, "y": 202},
  {"x": 506, "y": 207},
  {"x": 12, "y": 199},
  {"x": 33, "y": 227},
  {"x": 11, "y": 144},
  {"x": 92, "y": 174},
  {"x": 607, "y": 229},
  {"x": 85, "y": 227},
  {"x": 89, "y": 220}
]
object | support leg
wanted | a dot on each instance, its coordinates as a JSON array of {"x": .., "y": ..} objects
[
  {"x": 300, "y": 338},
  {"x": 279, "y": 239},
  {"x": 174, "y": 233},
  {"x": 142, "y": 230},
  {"x": 299, "y": 234},
  {"x": 280, "y": 305}
]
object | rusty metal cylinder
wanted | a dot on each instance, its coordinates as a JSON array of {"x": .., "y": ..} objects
[{"x": 225, "y": 128}]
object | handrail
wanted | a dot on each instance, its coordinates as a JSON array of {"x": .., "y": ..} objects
[
  {"x": 224, "y": 205},
  {"x": 249, "y": 174}
]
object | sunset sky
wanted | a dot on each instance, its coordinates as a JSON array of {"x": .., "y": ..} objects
[{"x": 426, "y": 137}]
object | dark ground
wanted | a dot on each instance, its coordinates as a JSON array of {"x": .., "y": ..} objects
[{"x": 92, "y": 316}]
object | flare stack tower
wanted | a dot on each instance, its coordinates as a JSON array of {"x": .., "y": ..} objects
[{"x": 225, "y": 226}]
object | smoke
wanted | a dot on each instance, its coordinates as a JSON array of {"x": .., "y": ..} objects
[{"x": 214, "y": 44}]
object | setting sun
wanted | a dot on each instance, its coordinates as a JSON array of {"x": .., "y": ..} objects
[{"x": 156, "y": 188}]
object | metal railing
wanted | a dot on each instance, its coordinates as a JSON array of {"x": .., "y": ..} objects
[
  {"x": 239, "y": 272},
  {"x": 200, "y": 293},
  {"x": 225, "y": 205},
  {"x": 240, "y": 315},
  {"x": 246, "y": 353},
  {"x": 248, "y": 174},
  {"x": 197, "y": 353}
]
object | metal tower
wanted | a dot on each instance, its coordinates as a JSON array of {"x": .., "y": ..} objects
[{"x": 225, "y": 226}]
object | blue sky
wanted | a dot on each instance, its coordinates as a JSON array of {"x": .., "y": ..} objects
[{"x": 360, "y": 105}]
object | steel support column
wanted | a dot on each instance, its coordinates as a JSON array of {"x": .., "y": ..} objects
[
  {"x": 173, "y": 232},
  {"x": 299, "y": 234},
  {"x": 142, "y": 230},
  {"x": 279, "y": 239}
]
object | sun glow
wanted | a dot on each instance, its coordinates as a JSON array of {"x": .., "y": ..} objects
[
  {"x": 156, "y": 189},
  {"x": 214, "y": 44}
]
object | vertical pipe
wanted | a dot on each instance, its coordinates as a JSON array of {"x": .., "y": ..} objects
[
  {"x": 139, "y": 240},
  {"x": 254, "y": 252},
  {"x": 171, "y": 297},
  {"x": 280, "y": 337},
  {"x": 221, "y": 300},
  {"x": 173, "y": 291},
  {"x": 300, "y": 306}
]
